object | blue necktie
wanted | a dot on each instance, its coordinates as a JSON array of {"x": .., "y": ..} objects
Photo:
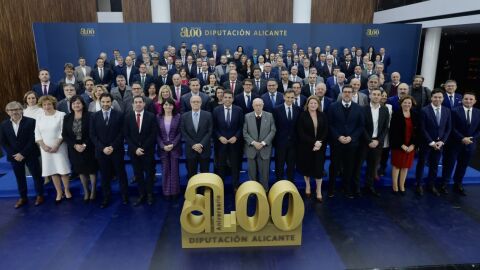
[{"x": 272, "y": 99}]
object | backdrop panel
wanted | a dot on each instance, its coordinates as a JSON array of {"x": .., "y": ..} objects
[{"x": 58, "y": 43}]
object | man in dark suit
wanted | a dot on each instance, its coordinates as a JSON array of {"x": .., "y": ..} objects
[
  {"x": 64, "y": 104},
  {"x": 451, "y": 98},
  {"x": 395, "y": 100},
  {"x": 163, "y": 78},
  {"x": 106, "y": 133},
  {"x": 272, "y": 98},
  {"x": 140, "y": 129},
  {"x": 284, "y": 84},
  {"x": 191, "y": 67},
  {"x": 203, "y": 75},
  {"x": 244, "y": 99},
  {"x": 346, "y": 126},
  {"x": 196, "y": 127},
  {"x": 70, "y": 78},
  {"x": 17, "y": 137},
  {"x": 309, "y": 89},
  {"x": 357, "y": 74},
  {"x": 435, "y": 128},
  {"x": 286, "y": 116},
  {"x": 102, "y": 74},
  {"x": 143, "y": 78},
  {"x": 130, "y": 70},
  {"x": 328, "y": 68},
  {"x": 176, "y": 68},
  {"x": 347, "y": 66},
  {"x": 385, "y": 59},
  {"x": 260, "y": 84},
  {"x": 391, "y": 87},
  {"x": 462, "y": 142},
  {"x": 119, "y": 69},
  {"x": 46, "y": 87},
  {"x": 268, "y": 73},
  {"x": 233, "y": 82},
  {"x": 259, "y": 131},
  {"x": 194, "y": 91},
  {"x": 228, "y": 122},
  {"x": 178, "y": 89},
  {"x": 299, "y": 99},
  {"x": 215, "y": 54},
  {"x": 320, "y": 92},
  {"x": 371, "y": 144}
]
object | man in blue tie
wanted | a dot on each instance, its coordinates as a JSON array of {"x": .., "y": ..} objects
[
  {"x": 451, "y": 98},
  {"x": 272, "y": 98},
  {"x": 435, "y": 129}
]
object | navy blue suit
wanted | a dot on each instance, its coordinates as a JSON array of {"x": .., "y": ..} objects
[
  {"x": 272, "y": 75},
  {"x": 23, "y": 143},
  {"x": 300, "y": 103},
  {"x": 132, "y": 74},
  {"x": 228, "y": 152},
  {"x": 107, "y": 76},
  {"x": 51, "y": 90},
  {"x": 109, "y": 133},
  {"x": 432, "y": 132},
  {"x": 240, "y": 102},
  {"x": 395, "y": 102},
  {"x": 202, "y": 81},
  {"x": 267, "y": 103},
  {"x": 455, "y": 150},
  {"x": 326, "y": 104},
  {"x": 285, "y": 140},
  {"x": 457, "y": 101},
  {"x": 148, "y": 80},
  {"x": 344, "y": 122}
]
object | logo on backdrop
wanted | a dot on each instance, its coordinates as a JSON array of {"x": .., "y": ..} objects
[
  {"x": 372, "y": 32},
  {"x": 87, "y": 32},
  {"x": 196, "y": 32},
  {"x": 205, "y": 224}
]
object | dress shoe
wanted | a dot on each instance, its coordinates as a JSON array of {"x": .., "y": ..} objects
[
  {"x": 58, "y": 201},
  {"x": 308, "y": 192},
  {"x": 443, "y": 190},
  {"x": 434, "y": 191},
  {"x": 402, "y": 193},
  {"x": 331, "y": 194},
  {"x": 21, "y": 202},
  {"x": 104, "y": 204},
  {"x": 459, "y": 190},
  {"x": 395, "y": 192},
  {"x": 140, "y": 201},
  {"x": 372, "y": 191},
  {"x": 39, "y": 200},
  {"x": 150, "y": 199},
  {"x": 419, "y": 190}
]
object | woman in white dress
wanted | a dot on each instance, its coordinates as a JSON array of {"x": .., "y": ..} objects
[
  {"x": 48, "y": 135},
  {"x": 31, "y": 107}
]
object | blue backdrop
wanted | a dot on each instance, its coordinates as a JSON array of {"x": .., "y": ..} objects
[{"x": 58, "y": 43}]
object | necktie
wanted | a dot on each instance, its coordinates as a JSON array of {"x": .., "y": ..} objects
[
  {"x": 228, "y": 116},
  {"x": 248, "y": 101},
  {"x": 258, "y": 84},
  {"x": 312, "y": 89},
  {"x": 101, "y": 73},
  {"x": 143, "y": 81},
  {"x": 138, "y": 121},
  {"x": 232, "y": 85},
  {"x": 272, "y": 99},
  {"x": 451, "y": 101},
  {"x": 347, "y": 105},
  {"x": 437, "y": 115},
  {"x": 205, "y": 77},
  {"x": 469, "y": 120},
  {"x": 45, "y": 90},
  {"x": 289, "y": 114},
  {"x": 267, "y": 75},
  {"x": 164, "y": 80},
  {"x": 195, "y": 121},
  {"x": 296, "y": 102},
  {"x": 105, "y": 117}
]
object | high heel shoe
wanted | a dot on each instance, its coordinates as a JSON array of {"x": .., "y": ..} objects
[
  {"x": 319, "y": 198},
  {"x": 58, "y": 201}
]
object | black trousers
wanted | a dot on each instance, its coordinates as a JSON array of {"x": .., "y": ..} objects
[
  {"x": 343, "y": 158},
  {"x": 33, "y": 165},
  {"x": 372, "y": 157},
  {"x": 229, "y": 156},
  {"x": 431, "y": 157},
  {"x": 285, "y": 154},
  {"x": 192, "y": 163},
  {"x": 458, "y": 157},
  {"x": 144, "y": 171},
  {"x": 109, "y": 165}
]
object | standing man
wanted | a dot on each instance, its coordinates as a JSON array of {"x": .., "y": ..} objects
[
  {"x": 196, "y": 127},
  {"x": 106, "y": 133},
  {"x": 46, "y": 87},
  {"x": 140, "y": 129},
  {"x": 259, "y": 131},
  {"x": 228, "y": 122},
  {"x": 346, "y": 127},
  {"x": 244, "y": 100},
  {"x": 17, "y": 136},
  {"x": 194, "y": 91},
  {"x": 272, "y": 98},
  {"x": 286, "y": 116},
  {"x": 451, "y": 99},
  {"x": 462, "y": 142},
  {"x": 435, "y": 128}
]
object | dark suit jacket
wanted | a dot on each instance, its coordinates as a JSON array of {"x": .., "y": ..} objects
[
  {"x": 221, "y": 129},
  {"x": 240, "y": 102},
  {"x": 431, "y": 131},
  {"x": 173, "y": 136},
  {"x": 202, "y": 135},
  {"x": 347, "y": 70},
  {"x": 267, "y": 103},
  {"x": 104, "y": 135},
  {"x": 159, "y": 81},
  {"x": 461, "y": 130},
  {"x": 119, "y": 70},
  {"x": 132, "y": 74},
  {"x": 282, "y": 89},
  {"x": 79, "y": 89},
  {"x": 306, "y": 91},
  {"x": 457, "y": 101},
  {"x": 303, "y": 99},
  {"x": 395, "y": 102},
  {"x": 286, "y": 129},
  {"x": 148, "y": 80},
  {"x": 383, "y": 121},
  {"x": 363, "y": 80},
  {"x": 144, "y": 139},
  {"x": 183, "y": 90},
  {"x": 67, "y": 132},
  {"x": 326, "y": 104},
  {"x": 200, "y": 78},
  {"x": 185, "y": 102},
  {"x": 325, "y": 73},
  {"x": 263, "y": 86},
  {"x": 397, "y": 130},
  {"x": 107, "y": 76},
  {"x": 52, "y": 90},
  {"x": 340, "y": 125},
  {"x": 273, "y": 75},
  {"x": 238, "y": 87},
  {"x": 23, "y": 142}
]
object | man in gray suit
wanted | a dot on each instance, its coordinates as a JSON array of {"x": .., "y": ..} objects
[
  {"x": 82, "y": 70},
  {"x": 259, "y": 131},
  {"x": 223, "y": 68},
  {"x": 196, "y": 127}
]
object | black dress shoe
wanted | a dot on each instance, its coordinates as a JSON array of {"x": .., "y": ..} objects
[
  {"x": 459, "y": 190},
  {"x": 434, "y": 191},
  {"x": 419, "y": 190},
  {"x": 140, "y": 201},
  {"x": 372, "y": 191},
  {"x": 443, "y": 190},
  {"x": 402, "y": 193},
  {"x": 150, "y": 199},
  {"x": 104, "y": 204},
  {"x": 395, "y": 192}
]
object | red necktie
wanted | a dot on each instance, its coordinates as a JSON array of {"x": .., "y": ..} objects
[
  {"x": 138, "y": 121},
  {"x": 178, "y": 93},
  {"x": 232, "y": 86}
]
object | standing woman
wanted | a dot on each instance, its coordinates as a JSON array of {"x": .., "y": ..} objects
[
  {"x": 312, "y": 133},
  {"x": 169, "y": 146},
  {"x": 80, "y": 148},
  {"x": 218, "y": 100},
  {"x": 404, "y": 129},
  {"x": 211, "y": 88},
  {"x": 249, "y": 69},
  {"x": 48, "y": 135},
  {"x": 184, "y": 78},
  {"x": 95, "y": 105},
  {"x": 31, "y": 107},
  {"x": 165, "y": 93}
]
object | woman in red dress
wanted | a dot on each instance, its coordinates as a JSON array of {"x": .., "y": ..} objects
[{"x": 404, "y": 128}]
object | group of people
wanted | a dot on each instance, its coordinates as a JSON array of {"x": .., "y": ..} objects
[{"x": 295, "y": 102}]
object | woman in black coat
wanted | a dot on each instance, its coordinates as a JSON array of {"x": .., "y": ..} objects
[
  {"x": 312, "y": 133},
  {"x": 80, "y": 148}
]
